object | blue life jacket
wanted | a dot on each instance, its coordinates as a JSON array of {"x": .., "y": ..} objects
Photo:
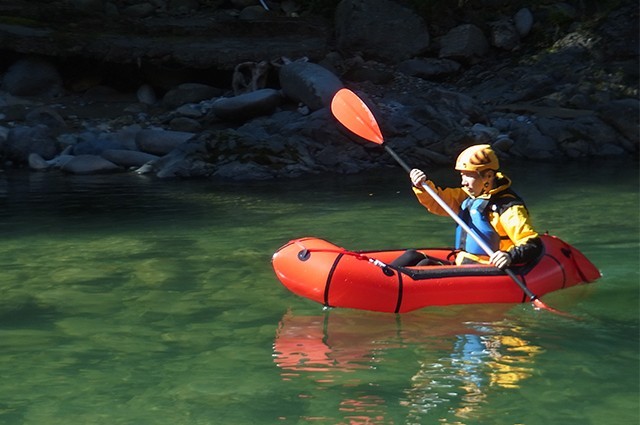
[{"x": 475, "y": 214}]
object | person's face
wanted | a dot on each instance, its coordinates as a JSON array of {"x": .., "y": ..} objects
[{"x": 474, "y": 182}]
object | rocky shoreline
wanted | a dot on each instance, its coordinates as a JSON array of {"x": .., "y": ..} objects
[{"x": 432, "y": 95}]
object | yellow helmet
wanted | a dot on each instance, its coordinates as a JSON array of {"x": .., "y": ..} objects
[{"x": 477, "y": 158}]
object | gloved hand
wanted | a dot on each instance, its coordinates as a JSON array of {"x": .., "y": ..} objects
[
  {"x": 417, "y": 177},
  {"x": 500, "y": 259}
]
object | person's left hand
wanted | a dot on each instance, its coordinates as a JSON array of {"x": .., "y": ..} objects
[{"x": 500, "y": 259}]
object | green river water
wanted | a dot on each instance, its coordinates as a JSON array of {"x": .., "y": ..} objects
[{"x": 127, "y": 300}]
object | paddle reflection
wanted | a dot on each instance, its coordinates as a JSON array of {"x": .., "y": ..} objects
[{"x": 452, "y": 361}]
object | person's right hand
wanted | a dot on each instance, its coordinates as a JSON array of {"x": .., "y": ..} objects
[{"x": 417, "y": 177}]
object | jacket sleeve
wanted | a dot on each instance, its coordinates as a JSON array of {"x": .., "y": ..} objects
[
  {"x": 453, "y": 197},
  {"x": 516, "y": 223}
]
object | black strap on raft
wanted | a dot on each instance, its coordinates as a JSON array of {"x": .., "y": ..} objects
[
  {"x": 330, "y": 278},
  {"x": 400, "y": 287},
  {"x": 568, "y": 252}
]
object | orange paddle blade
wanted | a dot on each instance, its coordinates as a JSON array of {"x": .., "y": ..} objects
[
  {"x": 352, "y": 112},
  {"x": 540, "y": 305}
]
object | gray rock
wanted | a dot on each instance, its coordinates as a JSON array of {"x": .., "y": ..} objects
[
  {"x": 464, "y": 42},
  {"x": 89, "y": 164},
  {"x": 146, "y": 95},
  {"x": 523, "y": 20},
  {"x": 584, "y": 134},
  {"x": 60, "y": 160},
  {"x": 95, "y": 143},
  {"x": 22, "y": 141},
  {"x": 38, "y": 163},
  {"x": 126, "y": 136},
  {"x": 4, "y": 133},
  {"x": 504, "y": 35},
  {"x": 429, "y": 68},
  {"x": 160, "y": 142},
  {"x": 624, "y": 116},
  {"x": 32, "y": 77},
  {"x": 486, "y": 132},
  {"x": 127, "y": 158},
  {"x": 251, "y": 13},
  {"x": 189, "y": 111},
  {"x": 367, "y": 73},
  {"x": 380, "y": 29},
  {"x": 611, "y": 150},
  {"x": 531, "y": 143},
  {"x": 503, "y": 144},
  {"x": 189, "y": 93},
  {"x": 309, "y": 83},
  {"x": 45, "y": 115},
  {"x": 242, "y": 171},
  {"x": 188, "y": 160},
  {"x": 185, "y": 124},
  {"x": 247, "y": 105}
]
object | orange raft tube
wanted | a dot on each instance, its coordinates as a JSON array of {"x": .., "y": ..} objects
[{"x": 323, "y": 272}]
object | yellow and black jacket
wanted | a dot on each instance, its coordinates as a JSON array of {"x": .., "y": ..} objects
[{"x": 499, "y": 217}]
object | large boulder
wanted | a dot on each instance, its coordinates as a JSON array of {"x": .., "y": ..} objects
[
  {"x": 22, "y": 141},
  {"x": 464, "y": 43},
  {"x": 622, "y": 114},
  {"x": 189, "y": 93},
  {"x": 309, "y": 83},
  {"x": 89, "y": 164},
  {"x": 127, "y": 158},
  {"x": 160, "y": 142},
  {"x": 247, "y": 105},
  {"x": 32, "y": 77},
  {"x": 380, "y": 29}
]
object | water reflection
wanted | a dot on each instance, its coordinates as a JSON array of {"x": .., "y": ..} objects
[
  {"x": 457, "y": 361},
  {"x": 478, "y": 366}
]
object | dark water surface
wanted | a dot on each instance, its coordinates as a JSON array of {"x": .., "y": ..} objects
[{"x": 126, "y": 300}]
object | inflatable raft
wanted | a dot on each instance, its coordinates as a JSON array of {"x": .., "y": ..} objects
[{"x": 333, "y": 276}]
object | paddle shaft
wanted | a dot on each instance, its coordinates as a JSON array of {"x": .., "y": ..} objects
[{"x": 462, "y": 224}]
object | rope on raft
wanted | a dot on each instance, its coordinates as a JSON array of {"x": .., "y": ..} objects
[{"x": 386, "y": 268}]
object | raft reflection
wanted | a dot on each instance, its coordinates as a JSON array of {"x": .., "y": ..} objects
[{"x": 452, "y": 358}]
